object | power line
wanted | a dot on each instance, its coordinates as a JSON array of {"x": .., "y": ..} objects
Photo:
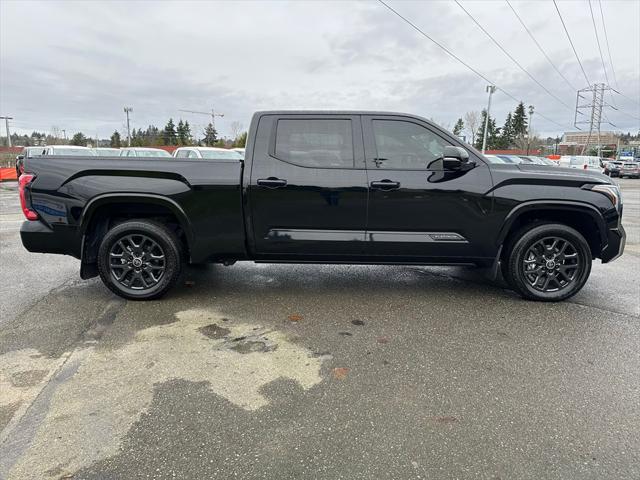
[
  {"x": 540, "y": 48},
  {"x": 511, "y": 57},
  {"x": 593, "y": 20},
  {"x": 606, "y": 38},
  {"x": 454, "y": 56},
  {"x": 571, "y": 42}
]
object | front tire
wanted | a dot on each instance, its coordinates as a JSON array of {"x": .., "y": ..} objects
[
  {"x": 548, "y": 262},
  {"x": 140, "y": 259}
]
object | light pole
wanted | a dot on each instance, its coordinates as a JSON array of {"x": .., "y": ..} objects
[
  {"x": 530, "y": 127},
  {"x": 126, "y": 111},
  {"x": 490, "y": 89},
  {"x": 6, "y": 124}
]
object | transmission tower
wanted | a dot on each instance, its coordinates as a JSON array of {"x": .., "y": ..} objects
[{"x": 589, "y": 106}]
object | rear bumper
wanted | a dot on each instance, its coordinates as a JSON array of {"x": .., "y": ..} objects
[
  {"x": 616, "y": 239},
  {"x": 39, "y": 238}
]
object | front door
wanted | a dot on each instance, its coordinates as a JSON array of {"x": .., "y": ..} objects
[
  {"x": 417, "y": 209},
  {"x": 308, "y": 188}
]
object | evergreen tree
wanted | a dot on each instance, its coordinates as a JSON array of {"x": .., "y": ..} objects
[
  {"x": 184, "y": 133},
  {"x": 492, "y": 132},
  {"x": 458, "y": 127},
  {"x": 210, "y": 135},
  {"x": 180, "y": 132},
  {"x": 152, "y": 136},
  {"x": 187, "y": 133},
  {"x": 507, "y": 135},
  {"x": 115, "y": 140},
  {"x": 241, "y": 140},
  {"x": 79, "y": 139},
  {"x": 519, "y": 122},
  {"x": 169, "y": 134}
]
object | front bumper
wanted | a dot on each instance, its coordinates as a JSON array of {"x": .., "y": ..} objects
[{"x": 616, "y": 239}]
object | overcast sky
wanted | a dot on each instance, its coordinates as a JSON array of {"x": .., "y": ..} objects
[{"x": 75, "y": 65}]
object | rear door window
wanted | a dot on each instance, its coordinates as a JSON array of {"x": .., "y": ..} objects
[{"x": 319, "y": 143}]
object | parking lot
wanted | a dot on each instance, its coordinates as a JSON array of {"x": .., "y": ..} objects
[{"x": 306, "y": 371}]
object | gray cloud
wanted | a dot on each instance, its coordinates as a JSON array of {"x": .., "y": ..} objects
[{"x": 77, "y": 64}]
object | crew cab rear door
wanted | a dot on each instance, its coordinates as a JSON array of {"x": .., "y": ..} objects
[
  {"x": 308, "y": 187},
  {"x": 417, "y": 209}
]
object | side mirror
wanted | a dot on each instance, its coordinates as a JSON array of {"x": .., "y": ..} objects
[{"x": 456, "y": 158}]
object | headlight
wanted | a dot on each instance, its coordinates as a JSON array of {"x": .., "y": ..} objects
[{"x": 611, "y": 191}]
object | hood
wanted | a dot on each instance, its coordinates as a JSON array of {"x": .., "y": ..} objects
[{"x": 591, "y": 176}]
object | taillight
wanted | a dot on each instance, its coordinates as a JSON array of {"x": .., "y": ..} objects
[
  {"x": 584, "y": 167},
  {"x": 24, "y": 180}
]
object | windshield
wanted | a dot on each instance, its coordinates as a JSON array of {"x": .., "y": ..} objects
[
  {"x": 221, "y": 154},
  {"x": 107, "y": 152},
  {"x": 152, "y": 153},
  {"x": 72, "y": 152},
  {"x": 33, "y": 152}
]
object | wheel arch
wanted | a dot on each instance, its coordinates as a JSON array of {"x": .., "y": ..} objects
[
  {"x": 101, "y": 211},
  {"x": 584, "y": 218}
]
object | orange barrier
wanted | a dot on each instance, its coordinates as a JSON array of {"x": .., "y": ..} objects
[{"x": 8, "y": 174}]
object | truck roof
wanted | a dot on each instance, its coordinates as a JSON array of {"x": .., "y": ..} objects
[{"x": 335, "y": 112}]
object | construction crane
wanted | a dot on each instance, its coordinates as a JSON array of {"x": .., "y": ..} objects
[{"x": 212, "y": 113}]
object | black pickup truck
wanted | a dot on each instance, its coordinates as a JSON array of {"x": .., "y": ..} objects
[{"x": 324, "y": 187}]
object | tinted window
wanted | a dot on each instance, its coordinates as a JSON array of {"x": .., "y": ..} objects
[
  {"x": 405, "y": 145},
  {"x": 315, "y": 143}
]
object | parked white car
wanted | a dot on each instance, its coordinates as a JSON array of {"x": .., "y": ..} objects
[
  {"x": 68, "y": 150},
  {"x": 581, "y": 162},
  {"x": 212, "y": 153},
  {"x": 241, "y": 151},
  {"x": 143, "y": 152}
]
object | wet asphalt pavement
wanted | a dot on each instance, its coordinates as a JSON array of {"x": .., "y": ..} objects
[{"x": 294, "y": 371}]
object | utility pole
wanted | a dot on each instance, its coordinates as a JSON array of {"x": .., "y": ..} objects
[
  {"x": 491, "y": 89},
  {"x": 530, "y": 127},
  {"x": 126, "y": 111},
  {"x": 6, "y": 124},
  {"x": 64, "y": 134}
]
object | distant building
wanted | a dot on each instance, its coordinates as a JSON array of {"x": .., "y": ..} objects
[
  {"x": 573, "y": 142},
  {"x": 581, "y": 137}
]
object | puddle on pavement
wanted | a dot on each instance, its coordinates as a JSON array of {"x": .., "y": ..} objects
[{"x": 93, "y": 410}]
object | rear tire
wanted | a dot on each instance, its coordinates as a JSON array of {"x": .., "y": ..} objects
[
  {"x": 140, "y": 259},
  {"x": 548, "y": 262}
]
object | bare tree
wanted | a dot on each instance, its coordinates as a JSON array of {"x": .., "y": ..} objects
[
  {"x": 236, "y": 129},
  {"x": 472, "y": 121}
]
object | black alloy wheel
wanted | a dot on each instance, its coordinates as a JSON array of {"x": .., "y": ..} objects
[
  {"x": 551, "y": 264},
  {"x": 140, "y": 259},
  {"x": 547, "y": 262},
  {"x": 137, "y": 262}
]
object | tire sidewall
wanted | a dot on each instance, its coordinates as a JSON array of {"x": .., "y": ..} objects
[
  {"x": 526, "y": 240},
  {"x": 160, "y": 234}
]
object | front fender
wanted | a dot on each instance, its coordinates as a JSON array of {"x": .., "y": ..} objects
[{"x": 564, "y": 205}]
